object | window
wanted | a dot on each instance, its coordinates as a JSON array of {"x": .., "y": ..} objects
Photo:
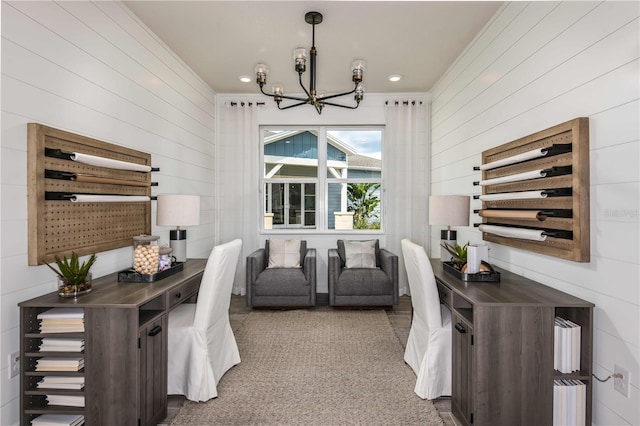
[{"x": 341, "y": 166}]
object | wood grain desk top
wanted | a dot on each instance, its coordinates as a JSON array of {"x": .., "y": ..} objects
[{"x": 108, "y": 292}]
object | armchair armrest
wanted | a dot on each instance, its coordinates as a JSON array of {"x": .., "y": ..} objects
[
  {"x": 389, "y": 264},
  {"x": 309, "y": 269},
  {"x": 335, "y": 269},
  {"x": 256, "y": 263}
]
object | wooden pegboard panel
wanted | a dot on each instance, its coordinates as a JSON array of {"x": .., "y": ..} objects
[
  {"x": 59, "y": 227},
  {"x": 566, "y": 171}
]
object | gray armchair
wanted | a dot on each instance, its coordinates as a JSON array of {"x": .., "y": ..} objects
[
  {"x": 363, "y": 286},
  {"x": 281, "y": 287}
]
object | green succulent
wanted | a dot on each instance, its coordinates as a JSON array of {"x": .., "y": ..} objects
[
  {"x": 459, "y": 253},
  {"x": 71, "y": 270}
]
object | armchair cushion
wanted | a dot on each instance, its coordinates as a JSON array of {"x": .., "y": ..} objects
[
  {"x": 343, "y": 255},
  {"x": 284, "y": 253},
  {"x": 360, "y": 254},
  {"x": 289, "y": 281},
  {"x": 363, "y": 281}
]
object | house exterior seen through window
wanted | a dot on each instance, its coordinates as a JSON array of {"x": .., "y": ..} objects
[{"x": 322, "y": 178}]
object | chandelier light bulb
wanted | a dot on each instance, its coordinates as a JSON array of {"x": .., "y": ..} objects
[
  {"x": 359, "y": 92},
  {"x": 277, "y": 89},
  {"x": 358, "y": 70},
  {"x": 261, "y": 74},
  {"x": 300, "y": 58}
]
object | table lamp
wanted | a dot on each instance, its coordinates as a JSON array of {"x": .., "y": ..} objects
[
  {"x": 178, "y": 210},
  {"x": 449, "y": 210}
]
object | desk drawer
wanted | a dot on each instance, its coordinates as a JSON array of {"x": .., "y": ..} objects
[
  {"x": 445, "y": 294},
  {"x": 184, "y": 291}
]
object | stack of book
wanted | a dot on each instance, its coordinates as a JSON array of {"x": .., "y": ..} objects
[
  {"x": 61, "y": 382},
  {"x": 67, "y": 400},
  {"x": 62, "y": 320},
  {"x": 59, "y": 364},
  {"x": 62, "y": 344},
  {"x": 569, "y": 402},
  {"x": 566, "y": 346},
  {"x": 58, "y": 420}
]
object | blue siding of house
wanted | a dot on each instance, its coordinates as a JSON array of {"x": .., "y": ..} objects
[
  {"x": 334, "y": 153},
  {"x": 369, "y": 174},
  {"x": 333, "y": 197},
  {"x": 302, "y": 145}
]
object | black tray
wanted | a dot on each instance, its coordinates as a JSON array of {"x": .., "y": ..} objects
[
  {"x": 493, "y": 276},
  {"x": 131, "y": 276}
]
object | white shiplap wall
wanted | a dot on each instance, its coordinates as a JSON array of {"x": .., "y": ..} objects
[
  {"x": 92, "y": 68},
  {"x": 533, "y": 66}
]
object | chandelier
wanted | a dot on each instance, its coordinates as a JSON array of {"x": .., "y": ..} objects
[{"x": 300, "y": 57}]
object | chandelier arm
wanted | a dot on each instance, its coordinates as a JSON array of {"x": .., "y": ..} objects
[
  {"x": 302, "y": 85},
  {"x": 293, "y": 98},
  {"x": 322, "y": 99},
  {"x": 341, "y": 106},
  {"x": 292, "y": 105}
]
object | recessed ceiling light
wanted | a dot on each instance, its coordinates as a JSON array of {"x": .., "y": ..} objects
[
  {"x": 395, "y": 77},
  {"x": 245, "y": 79}
]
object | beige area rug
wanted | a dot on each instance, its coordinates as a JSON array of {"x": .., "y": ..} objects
[{"x": 314, "y": 367}]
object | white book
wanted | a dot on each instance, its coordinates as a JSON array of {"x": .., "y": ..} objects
[
  {"x": 581, "y": 415},
  {"x": 62, "y": 313},
  {"x": 59, "y": 364},
  {"x": 67, "y": 400},
  {"x": 575, "y": 343},
  {"x": 572, "y": 402},
  {"x": 562, "y": 404},
  {"x": 556, "y": 403},
  {"x": 73, "y": 386},
  {"x": 64, "y": 379},
  {"x": 58, "y": 420},
  {"x": 556, "y": 344},
  {"x": 563, "y": 346},
  {"x": 63, "y": 341},
  {"x": 60, "y": 349}
]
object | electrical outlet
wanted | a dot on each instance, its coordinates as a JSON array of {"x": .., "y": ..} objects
[
  {"x": 621, "y": 384},
  {"x": 14, "y": 364}
]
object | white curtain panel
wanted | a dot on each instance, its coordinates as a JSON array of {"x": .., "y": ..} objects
[
  {"x": 406, "y": 172},
  {"x": 238, "y": 166}
]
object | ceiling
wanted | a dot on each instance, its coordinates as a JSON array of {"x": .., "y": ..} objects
[{"x": 223, "y": 40}]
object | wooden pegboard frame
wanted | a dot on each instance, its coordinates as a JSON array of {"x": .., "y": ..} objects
[
  {"x": 576, "y": 247},
  {"x": 59, "y": 227}
]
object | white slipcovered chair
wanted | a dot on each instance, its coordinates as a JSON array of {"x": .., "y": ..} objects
[
  {"x": 428, "y": 350},
  {"x": 202, "y": 346}
]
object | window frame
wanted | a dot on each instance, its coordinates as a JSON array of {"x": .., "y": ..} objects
[{"x": 321, "y": 180}]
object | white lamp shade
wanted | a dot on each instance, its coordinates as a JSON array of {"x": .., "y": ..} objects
[
  {"x": 178, "y": 210},
  {"x": 449, "y": 210}
]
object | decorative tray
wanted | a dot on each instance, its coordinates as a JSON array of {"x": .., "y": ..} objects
[
  {"x": 489, "y": 276},
  {"x": 130, "y": 275}
]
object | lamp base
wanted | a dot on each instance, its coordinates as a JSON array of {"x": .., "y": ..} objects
[
  {"x": 449, "y": 237},
  {"x": 178, "y": 244}
]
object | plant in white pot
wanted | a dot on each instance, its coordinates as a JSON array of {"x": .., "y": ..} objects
[{"x": 73, "y": 278}]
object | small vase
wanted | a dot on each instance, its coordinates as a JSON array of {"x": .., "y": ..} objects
[{"x": 74, "y": 290}]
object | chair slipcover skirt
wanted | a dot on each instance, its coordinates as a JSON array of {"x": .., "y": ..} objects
[{"x": 202, "y": 346}]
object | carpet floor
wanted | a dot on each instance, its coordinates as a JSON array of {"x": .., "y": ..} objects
[{"x": 315, "y": 367}]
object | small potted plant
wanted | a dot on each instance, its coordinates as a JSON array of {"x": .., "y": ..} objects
[
  {"x": 458, "y": 254},
  {"x": 73, "y": 278}
]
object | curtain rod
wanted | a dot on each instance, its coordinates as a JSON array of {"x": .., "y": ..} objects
[
  {"x": 243, "y": 103},
  {"x": 403, "y": 102}
]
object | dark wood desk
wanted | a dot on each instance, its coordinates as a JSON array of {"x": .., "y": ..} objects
[
  {"x": 503, "y": 347},
  {"x": 125, "y": 351}
]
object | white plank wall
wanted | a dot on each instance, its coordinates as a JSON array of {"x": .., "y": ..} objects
[
  {"x": 92, "y": 68},
  {"x": 533, "y": 66}
]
